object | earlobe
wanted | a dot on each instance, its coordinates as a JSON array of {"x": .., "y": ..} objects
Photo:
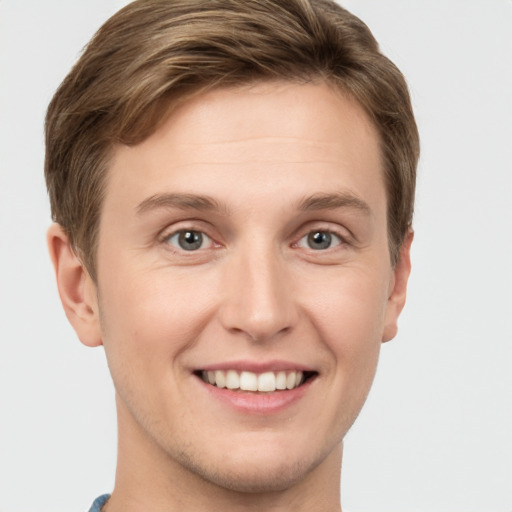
[
  {"x": 77, "y": 290},
  {"x": 398, "y": 289}
]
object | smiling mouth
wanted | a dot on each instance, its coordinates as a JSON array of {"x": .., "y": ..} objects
[{"x": 267, "y": 382}]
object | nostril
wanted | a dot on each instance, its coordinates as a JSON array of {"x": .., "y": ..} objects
[{"x": 261, "y": 335}]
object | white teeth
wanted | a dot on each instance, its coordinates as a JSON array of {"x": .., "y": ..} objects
[
  {"x": 281, "y": 380},
  {"x": 290, "y": 380},
  {"x": 232, "y": 379},
  {"x": 249, "y": 381},
  {"x": 220, "y": 379},
  {"x": 267, "y": 382}
]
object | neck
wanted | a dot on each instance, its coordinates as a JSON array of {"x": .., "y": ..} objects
[{"x": 147, "y": 478}]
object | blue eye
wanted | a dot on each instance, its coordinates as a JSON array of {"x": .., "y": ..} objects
[
  {"x": 320, "y": 240},
  {"x": 189, "y": 240}
]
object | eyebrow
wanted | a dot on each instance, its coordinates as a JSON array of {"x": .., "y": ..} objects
[
  {"x": 206, "y": 203},
  {"x": 333, "y": 201},
  {"x": 181, "y": 201}
]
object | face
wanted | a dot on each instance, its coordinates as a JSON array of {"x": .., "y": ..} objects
[{"x": 244, "y": 282}]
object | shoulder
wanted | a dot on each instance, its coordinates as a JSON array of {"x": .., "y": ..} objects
[{"x": 99, "y": 502}]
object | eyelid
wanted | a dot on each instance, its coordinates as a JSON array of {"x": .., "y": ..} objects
[
  {"x": 341, "y": 240},
  {"x": 189, "y": 224},
  {"x": 195, "y": 225},
  {"x": 205, "y": 239},
  {"x": 344, "y": 234}
]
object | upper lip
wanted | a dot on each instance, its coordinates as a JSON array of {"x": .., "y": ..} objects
[{"x": 257, "y": 366}]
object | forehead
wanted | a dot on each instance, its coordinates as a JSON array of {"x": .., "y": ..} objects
[
  {"x": 317, "y": 112},
  {"x": 257, "y": 137}
]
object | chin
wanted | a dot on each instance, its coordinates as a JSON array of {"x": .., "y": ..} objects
[
  {"x": 254, "y": 477},
  {"x": 249, "y": 469}
]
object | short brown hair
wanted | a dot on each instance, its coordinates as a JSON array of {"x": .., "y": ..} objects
[{"x": 154, "y": 53}]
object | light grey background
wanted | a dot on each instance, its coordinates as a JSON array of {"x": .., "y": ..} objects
[{"x": 436, "y": 433}]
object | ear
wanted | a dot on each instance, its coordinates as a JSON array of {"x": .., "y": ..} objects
[
  {"x": 77, "y": 290},
  {"x": 398, "y": 289}
]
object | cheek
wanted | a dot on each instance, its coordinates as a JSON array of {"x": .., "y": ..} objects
[
  {"x": 153, "y": 314},
  {"x": 350, "y": 307},
  {"x": 350, "y": 318}
]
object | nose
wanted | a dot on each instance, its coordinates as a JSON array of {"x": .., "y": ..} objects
[{"x": 258, "y": 297}]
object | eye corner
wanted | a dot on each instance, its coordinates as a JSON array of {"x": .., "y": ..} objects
[
  {"x": 187, "y": 240},
  {"x": 320, "y": 240}
]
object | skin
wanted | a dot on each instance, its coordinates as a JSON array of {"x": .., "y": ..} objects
[{"x": 254, "y": 291}]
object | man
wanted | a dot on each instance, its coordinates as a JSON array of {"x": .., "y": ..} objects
[{"x": 232, "y": 185}]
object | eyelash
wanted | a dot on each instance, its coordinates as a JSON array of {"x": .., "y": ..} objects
[
  {"x": 329, "y": 236},
  {"x": 184, "y": 232}
]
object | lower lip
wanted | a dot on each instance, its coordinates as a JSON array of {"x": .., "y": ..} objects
[{"x": 258, "y": 403}]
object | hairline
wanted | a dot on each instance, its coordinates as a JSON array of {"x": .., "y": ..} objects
[{"x": 172, "y": 101}]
